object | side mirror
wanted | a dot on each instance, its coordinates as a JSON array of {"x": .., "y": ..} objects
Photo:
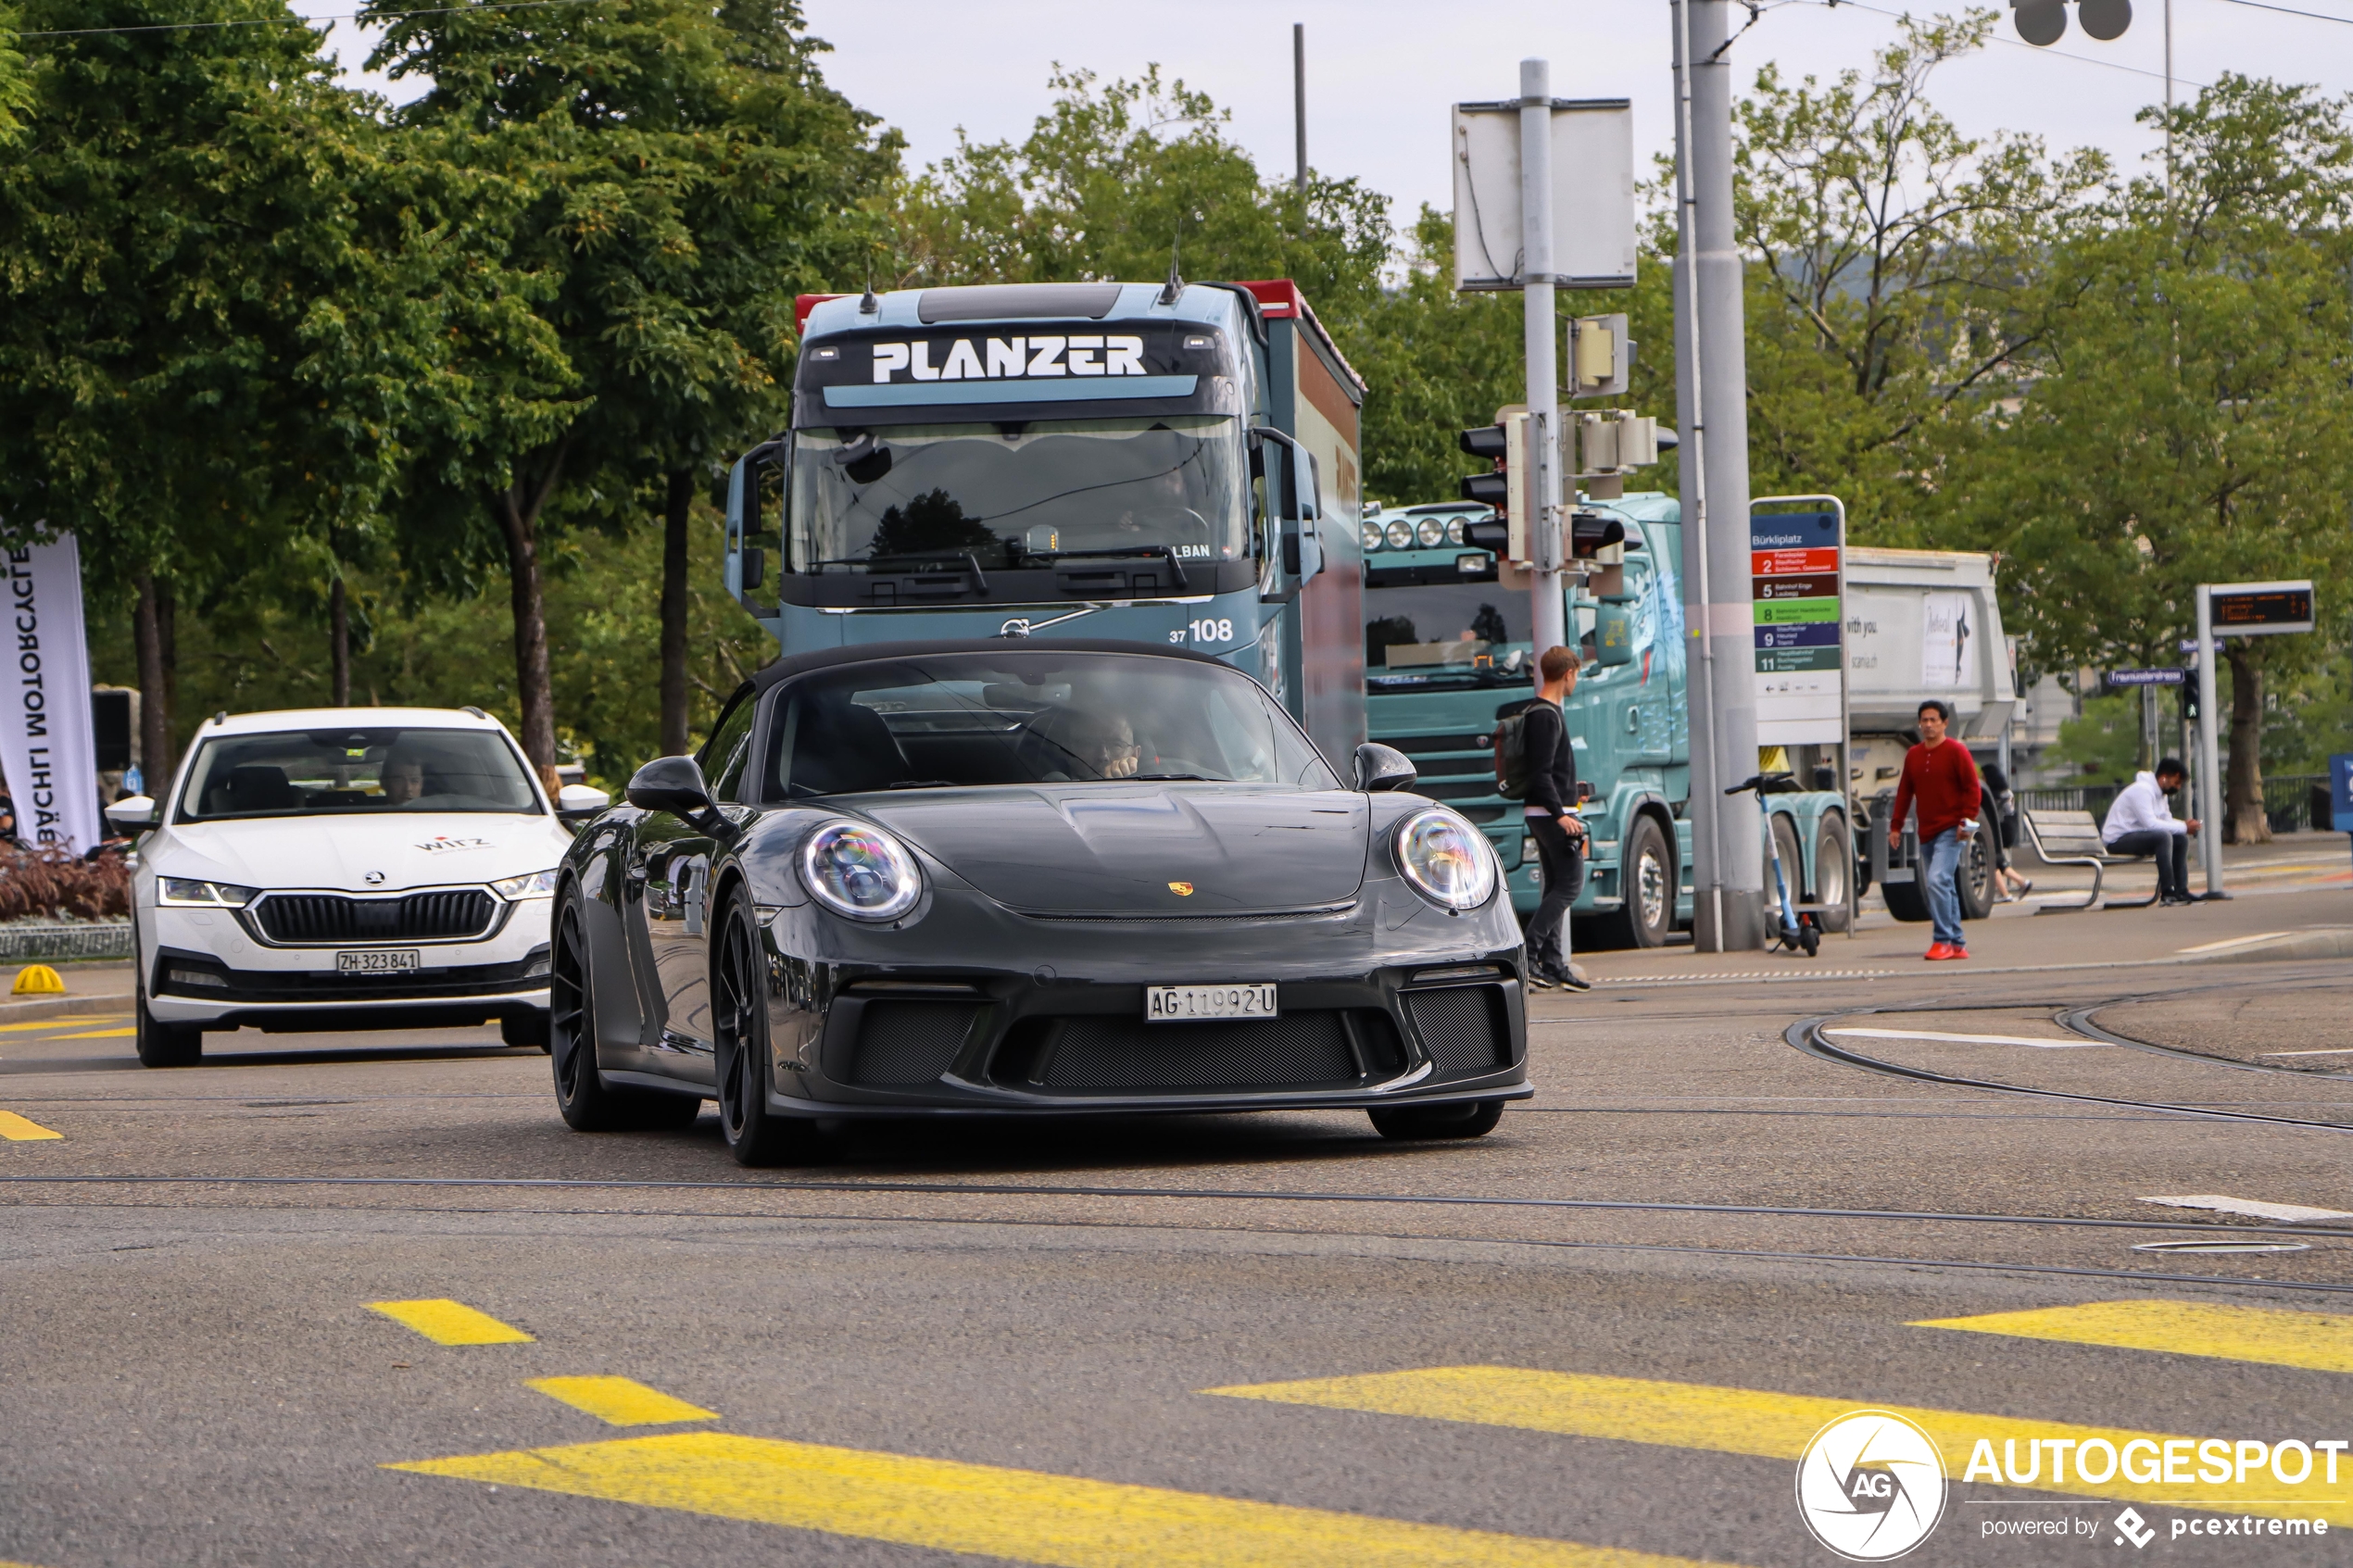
[
  {"x": 579, "y": 801},
  {"x": 1612, "y": 637},
  {"x": 670, "y": 784},
  {"x": 755, "y": 567},
  {"x": 1381, "y": 768},
  {"x": 134, "y": 814}
]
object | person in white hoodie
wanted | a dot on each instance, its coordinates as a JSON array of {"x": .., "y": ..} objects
[{"x": 2141, "y": 823}]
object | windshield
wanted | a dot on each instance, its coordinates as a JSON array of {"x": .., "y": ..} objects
[
  {"x": 339, "y": 773},
  {"x": 1015, "y": 495},
  {"x": 961, "y": 721},
  {"x": 1469, "y": 630}
]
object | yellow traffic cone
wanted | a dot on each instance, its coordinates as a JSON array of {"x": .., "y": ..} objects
[{"x": 38, "y": 980}]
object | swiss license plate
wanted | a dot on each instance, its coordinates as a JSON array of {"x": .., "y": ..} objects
[
  {"x": 1190, "y": 1004},
  {"x": 393, "y": 960}
]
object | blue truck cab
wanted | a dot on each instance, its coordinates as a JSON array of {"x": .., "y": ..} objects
[
  {"x": 1447, "y": 652},
  {"x": 1175, "y": 464}
]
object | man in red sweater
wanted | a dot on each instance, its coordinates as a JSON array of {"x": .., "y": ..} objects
[{"x": 1940, "y": 777}]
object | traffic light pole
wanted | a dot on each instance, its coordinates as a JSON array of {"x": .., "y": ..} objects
[
  {"x": 1548, "y": 623},
  {"x": 1711, "y": 403}
]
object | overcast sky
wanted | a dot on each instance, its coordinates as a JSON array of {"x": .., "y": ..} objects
[{"x": 1380, "y": 73}]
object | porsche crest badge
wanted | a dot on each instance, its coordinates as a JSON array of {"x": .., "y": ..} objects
[{"x": 1182, "y": 889}]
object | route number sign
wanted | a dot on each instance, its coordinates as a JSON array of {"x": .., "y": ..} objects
[
  {"x": 2243, "y": 609},
  {"x": 1797, "y": 594}
]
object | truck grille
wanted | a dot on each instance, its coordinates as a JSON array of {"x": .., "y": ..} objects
[{"x": 324, "y": 919}]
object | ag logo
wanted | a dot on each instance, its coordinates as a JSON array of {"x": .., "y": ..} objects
[{"x": 1871, "y": 1486}]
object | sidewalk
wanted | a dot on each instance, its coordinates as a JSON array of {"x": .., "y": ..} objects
[{"x": 2291, "y": 899}]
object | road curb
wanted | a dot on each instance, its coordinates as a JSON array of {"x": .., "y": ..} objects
[{"x": 57, "y": 1006}]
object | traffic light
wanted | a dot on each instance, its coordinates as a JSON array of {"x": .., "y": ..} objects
[
  {"x": 2045, "y": 21},
  {"x": 1504, "y": 486},
  {"x": 1590, "y": 532}
]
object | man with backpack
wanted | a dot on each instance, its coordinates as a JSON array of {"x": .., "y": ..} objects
[{"x": 1534, "y": 762}]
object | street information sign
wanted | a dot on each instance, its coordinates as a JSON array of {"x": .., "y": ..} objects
[
  {"x": 2144, "y": 677},
  {"x": 2245, "y": 610},
  {"x": 1798, "y": 589}
]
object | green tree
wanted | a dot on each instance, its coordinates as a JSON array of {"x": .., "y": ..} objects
[
  {"x": 688, "y": 172},
  {"x": 2192, "y": 419}
]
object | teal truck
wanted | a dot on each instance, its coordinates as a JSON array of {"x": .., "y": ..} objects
[
  {"x": 1168, "y": 463},
  {"x": 1447, "y": 650}
]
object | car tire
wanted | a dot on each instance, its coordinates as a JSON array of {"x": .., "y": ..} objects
[
  {"x": 1646, "y": 882},
  {"x": 525, "y": 1029},
  {"x": 587, "y": 1103},
  {"x": 167, "y": 1045},
  {"x": 1413, "y": 1123},
  {"x": 1833, "y": 867},
  {"x": 756, "y": 1136}
]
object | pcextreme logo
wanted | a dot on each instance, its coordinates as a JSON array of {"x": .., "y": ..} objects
[{"x": 1871, "y": 1486}]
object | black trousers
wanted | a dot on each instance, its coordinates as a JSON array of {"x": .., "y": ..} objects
[
  {"x": 2172, "y": 852},
  {"x": 1564, "y": 868}
]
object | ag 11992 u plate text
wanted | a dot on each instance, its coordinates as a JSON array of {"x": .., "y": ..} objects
[{"x": 1194, "y": 1004}]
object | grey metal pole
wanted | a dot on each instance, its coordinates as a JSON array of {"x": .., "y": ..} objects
[
  {"x": 1548, "y": 623},
  {"x": 1298, "y": 109},
  {"x": 1731, "y": 856},
  {"x": 2210, "y": 749},
  {"x": 1690, "y": 413}
]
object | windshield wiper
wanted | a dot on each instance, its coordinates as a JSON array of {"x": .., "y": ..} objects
[{"x": 923, "y": 784}]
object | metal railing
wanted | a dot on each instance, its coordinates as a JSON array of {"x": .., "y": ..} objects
[{"x": 2292, "y": 802}]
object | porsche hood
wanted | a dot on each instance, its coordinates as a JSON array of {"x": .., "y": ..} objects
[{"x": 1143, "y": 849}]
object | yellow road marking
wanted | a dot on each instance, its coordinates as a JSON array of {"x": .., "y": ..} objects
[
  {"x": 619, "y": 1401},
  {"x": 1743, "y": 1420},
  {"x": 16, "y": 1129},
  {"x": 2319, "y": 1341},
  {"x": 59, "y": 1023},
  {"x": 450, "y": 1322},
  {"x": 98, "y": 1035},
  {"x": 990, "y": 1511}
]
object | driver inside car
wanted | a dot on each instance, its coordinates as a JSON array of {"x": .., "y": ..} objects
[{"x": 404, "y": 780}]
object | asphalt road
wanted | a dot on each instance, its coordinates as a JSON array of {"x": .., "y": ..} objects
[{"x": 1606, "y": 1330}]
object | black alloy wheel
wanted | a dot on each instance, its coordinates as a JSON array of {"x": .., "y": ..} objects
[
  {"x": 1474, "y": 1119},
  {"x": 588, "y": 1104},
  {"x": 755, "y": 1134}
]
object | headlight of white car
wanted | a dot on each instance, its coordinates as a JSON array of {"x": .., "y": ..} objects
[
  {"x": 1446, "y": 860},
  {"x": 211, "y": 894},
  {"x": 531, "y": 884},
  {"x": 860, "y": 871}
]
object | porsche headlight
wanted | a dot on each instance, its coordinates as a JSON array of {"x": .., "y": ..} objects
[
  {"x": 1446, "y": 860},
  {"x": 860, "y": 871},
  {"x": 531, "y": 885},
  {"x": 211, "y": 894}
]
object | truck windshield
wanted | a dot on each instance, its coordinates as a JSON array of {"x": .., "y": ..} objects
[
  {"x": 1011, "y": 494},
  {"x": 1467, "y": 632},
  {"x": 340, "y": 773}
]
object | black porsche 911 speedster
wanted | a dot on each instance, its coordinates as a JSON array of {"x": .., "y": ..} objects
[{"x": 917, "y": 879}]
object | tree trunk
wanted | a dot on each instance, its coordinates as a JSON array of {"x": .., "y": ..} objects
[
  {"x": 674, "y": 739},
  {"x": 339, "y": 641},
  {"x": 2243, "y": 800},
  {"x": 150, "y": 637},
  {"x": 519, "y": 509}
]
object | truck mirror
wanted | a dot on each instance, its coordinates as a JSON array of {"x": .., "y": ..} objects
[
  {"x": 1612, "y": 637},
  {"x": 1310, "y": 505},
  {"x": 755, "y": 567}
]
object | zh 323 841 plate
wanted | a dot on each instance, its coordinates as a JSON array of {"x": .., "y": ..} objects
[
  {"x": 385, "y": 961},
  {"x": 1197, "y": 1004}
]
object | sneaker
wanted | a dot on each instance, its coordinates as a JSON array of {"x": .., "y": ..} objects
[
  {"x": 1949, "y": 950},
  {"x": 1539, "y": 981},
  {"x": 2178, "y": 902},
  {"x": 1571, "y": 979},
  {"x": 1937, "y": 950}
]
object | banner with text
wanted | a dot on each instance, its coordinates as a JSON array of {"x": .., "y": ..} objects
[
  {"x": 1798, "y": 587},
  {"x": 44, "y": 722}
]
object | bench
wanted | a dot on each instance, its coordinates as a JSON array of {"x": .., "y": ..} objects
[{"x": 2072, "y": 838}]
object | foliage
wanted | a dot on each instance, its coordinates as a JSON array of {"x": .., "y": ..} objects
[
  {"x": 2103, "y": 743},
  {"x": 48, "y": 882}
]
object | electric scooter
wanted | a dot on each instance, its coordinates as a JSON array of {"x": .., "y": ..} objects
[{"x": 1798, "y": 933}]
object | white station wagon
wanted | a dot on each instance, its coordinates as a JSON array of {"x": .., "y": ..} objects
[{"x": 345, "y": 868}]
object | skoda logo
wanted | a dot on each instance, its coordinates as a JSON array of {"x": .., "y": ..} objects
[
  {"x": 1871, "y": 1485},
  {"x": 373, "y": 879}
]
